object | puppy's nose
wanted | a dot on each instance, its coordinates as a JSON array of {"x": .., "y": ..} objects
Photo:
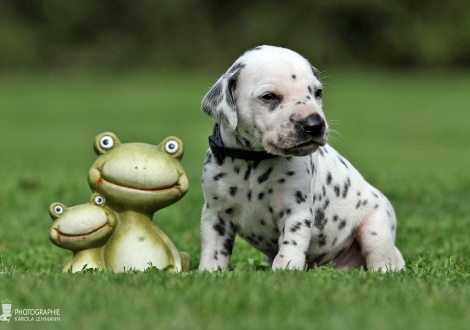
[{"x": 313, "y": 125}]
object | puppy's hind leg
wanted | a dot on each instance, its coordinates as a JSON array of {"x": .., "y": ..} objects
[{"x": 376, "y": 236}]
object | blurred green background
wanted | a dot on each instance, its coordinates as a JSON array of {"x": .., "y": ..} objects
[{"x": 119, "y": 35}]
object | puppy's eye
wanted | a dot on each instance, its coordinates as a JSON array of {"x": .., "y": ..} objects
[
  {"x": 318, "y": 93},
  {"x": 270, "y": 97}
]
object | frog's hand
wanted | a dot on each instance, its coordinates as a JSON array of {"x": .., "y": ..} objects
[
  {"x": 171, "y": 248},
  {"x": 185, "y": 262}
]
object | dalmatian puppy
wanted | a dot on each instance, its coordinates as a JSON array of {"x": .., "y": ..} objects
[{"x": 270, "y": 176}]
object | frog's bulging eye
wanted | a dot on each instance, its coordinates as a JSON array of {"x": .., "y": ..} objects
[
  {"x": 171, "y": 146},
  {"x": 58, "y": 209},
  {"x": 106, "y": 142},
  {"x": 99, "y": 200}
]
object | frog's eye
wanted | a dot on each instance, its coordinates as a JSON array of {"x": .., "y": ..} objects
[
  {"x": 99, "y": 200},
  {"x": 58, "y": 209},
  {"x": 106, "y": 142},
  {"x": 171, "y": 146}
]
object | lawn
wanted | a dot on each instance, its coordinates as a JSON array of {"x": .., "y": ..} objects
[{"x": 407, "y": 132}]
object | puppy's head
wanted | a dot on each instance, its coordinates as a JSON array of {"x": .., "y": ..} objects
[{"x": 274, "y": 96}]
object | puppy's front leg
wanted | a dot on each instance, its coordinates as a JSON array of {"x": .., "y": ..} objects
[
  {"x": 293, "y": 242},
  {"x": 218, "y": 237}
]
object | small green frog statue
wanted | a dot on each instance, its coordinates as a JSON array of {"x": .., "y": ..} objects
[
  {"x": 84, "y": 229},
  {"x": 135, "y": 180}
]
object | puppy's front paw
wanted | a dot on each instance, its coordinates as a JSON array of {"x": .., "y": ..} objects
[{"x": 283, "y": 262}]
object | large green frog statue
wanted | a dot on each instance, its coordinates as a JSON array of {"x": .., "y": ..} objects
[
  {"x": 138, "y": 179},
  {"x": 84, "y": 229}
]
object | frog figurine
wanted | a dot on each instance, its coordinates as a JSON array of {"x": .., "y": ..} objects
[
  {"x": 84, "y": 229},
  {"x": 138, "y": 179}
]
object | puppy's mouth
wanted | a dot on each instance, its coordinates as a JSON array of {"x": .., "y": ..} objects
[{"x": 302, "y": 149}]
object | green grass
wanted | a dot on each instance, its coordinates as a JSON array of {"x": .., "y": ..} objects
[{"x": 406, "y": 132}]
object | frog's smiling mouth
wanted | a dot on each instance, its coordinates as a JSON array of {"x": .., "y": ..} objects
[
  {"x": 85, "y": 235},
  {"x": 101, "y": 181}
]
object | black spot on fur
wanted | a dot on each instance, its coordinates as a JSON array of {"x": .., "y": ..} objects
[
  {"x": 265, "y": 176},
  {"x": 261, "y": 195},
  {"x": 281, "y": 181},
  {"x": 256, "y": 163},
  {"x": 220, "y": 226},
  {"x": 247, "y": 173},
  {"x": 308, "y": 223},
  {"x": 342, "y": 224},
  {"x": 290, "y": 173},
  {"x": 229, "y": 210},
  {"x": 296, "y": 227},
  {"x": 300, "y": 197},
  {"x": 233, "y": 190},
  {"x": 236, "y": 169},
  {"x": 358, "y": 204},
  {"x": 337, "y": 190},
  {"x": 262, "y": 222},
  {"x": 320, "y": 219},
  {"x": 228, "y": 246},
  {"x": 248, "y": 195},
  {"x": 320, "y": 150},
  {"x": 328, "y": 178},
  {"x": 343, "y": 162},
  {"x": 327, "y": 202},
  {"x": 347, "y": 184},
  {"x": 219, "y": 176},
  {"x": 293, "y": 76}
]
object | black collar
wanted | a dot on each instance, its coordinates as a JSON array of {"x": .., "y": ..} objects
[{"x": 218, "y": 149}]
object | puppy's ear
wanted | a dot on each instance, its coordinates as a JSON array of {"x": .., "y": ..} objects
[
  {"x": 219, "y": 103},
  {"x": 316, "y": 72}
]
